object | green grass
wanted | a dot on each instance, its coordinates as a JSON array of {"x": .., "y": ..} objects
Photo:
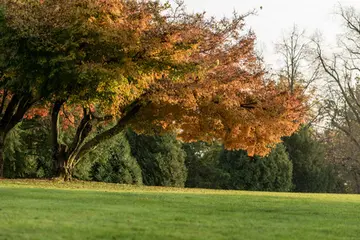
[{"x": 32, "y": 209}]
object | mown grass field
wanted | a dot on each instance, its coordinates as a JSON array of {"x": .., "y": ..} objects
[{"x": 32, "y": 209}]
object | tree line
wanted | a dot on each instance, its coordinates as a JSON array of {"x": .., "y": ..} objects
[
  {"x": 298, "y": 164},
  {"x": 144, "y": 92}
]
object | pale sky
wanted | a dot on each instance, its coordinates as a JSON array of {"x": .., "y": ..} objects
[{"x": 278, "y": 16}]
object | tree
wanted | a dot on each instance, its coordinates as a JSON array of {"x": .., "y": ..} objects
[
  {"x": 342, "y": 154},
  {"x": 299, "y": 68},
  {"x": 311, "y": 171},
  {"x": 161, "y": 159},
  {"x": 342, "y": 104},
  {"x": 271, "y": 173},
  {"x": 296, "y": 59},
  {"x": 212, "y": 166},
  {"x": 18, "y": 85},
  {"x": 14, "y": 155},
  {"x": 202, "y": 162},
  {"x": 116, "y": 64},
  {"x": 114, "y": 163},
  {"x": 27, "y": 150}
]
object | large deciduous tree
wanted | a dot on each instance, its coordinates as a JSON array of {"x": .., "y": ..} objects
[
  {"x": 343, "y": 155},
  {"x": 341, "y": 67},
  {"x": 106, "y": 65},
  {"x": 18, "y": 81},
  {"x": 342, "y": 104},
  {"x": 297, "y": 64}
]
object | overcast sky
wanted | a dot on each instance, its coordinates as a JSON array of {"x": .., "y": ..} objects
[{"x": 278, "y": 16}]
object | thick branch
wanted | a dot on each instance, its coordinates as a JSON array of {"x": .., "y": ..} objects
[
  {"x": 348, "y": 133},
  {"x": 9, "y": 111},
  {"x": 331, "y": 71},
  {"x": 131, "y": 111},
  {"x": 82, "y": 131},
  {"x": 23, "y": 106}
]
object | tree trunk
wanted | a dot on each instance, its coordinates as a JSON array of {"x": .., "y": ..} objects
[
  {"x": 58, "y": 150},
  {"x": 64, "y": 170},
  {"x": 131, "y": 111}
]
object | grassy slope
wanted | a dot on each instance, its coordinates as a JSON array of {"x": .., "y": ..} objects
[{"x": 48, "y": 210}]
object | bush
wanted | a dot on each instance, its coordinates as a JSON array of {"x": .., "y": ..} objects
[
  {"x": 161, "y": 159},
  {"x": 311, "y": 172},
  {"x": 27, "y": 151},
  {"x": 202, "y": 162},
  {"x": 271, "y": 173},
  {"x": 211, "y": 166},
  {"x": 114, "y": 163}
]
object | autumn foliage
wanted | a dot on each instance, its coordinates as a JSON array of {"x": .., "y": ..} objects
[
  {"x": 253, "y": 120},
  {"x": 150, "y": 66}
]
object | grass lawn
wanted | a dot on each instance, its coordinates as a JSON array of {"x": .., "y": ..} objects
[{"x": 32, "y": 209}]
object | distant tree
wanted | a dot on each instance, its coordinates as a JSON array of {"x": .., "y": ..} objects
[
  {"x": 211, "y": 166},
  {"x": 297, "y": 64},
  {"x": 343, "y": 154},
  {"x": 271, "y": 173},
  {"x": 14, "y": 153},
  {"x": 202, "y": 162},
  {"x": 161, "y": 159},
  {"x": 300, "y": 68},
  {"x": 341, "y": 71},
  {"x": 311, "y": 172}
]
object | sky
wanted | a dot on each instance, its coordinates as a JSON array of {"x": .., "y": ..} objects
[{"x": 278, "y": 17}]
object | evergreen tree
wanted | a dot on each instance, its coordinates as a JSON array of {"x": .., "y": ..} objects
[
  {"x": 15, "y": 164},
  {"x": 311, "y": 173},
  {"x": 114, "y": 163},
  {"x": 27, "y": 152},
  {"x": 202, "y": 162},
  {"x": 161, "y": 158},
  {"x": 211, "y": 166},
  {"x": 270, "y": 173}
]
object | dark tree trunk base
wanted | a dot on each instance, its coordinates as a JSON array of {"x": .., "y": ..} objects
[{"x": 64, "y": 172}]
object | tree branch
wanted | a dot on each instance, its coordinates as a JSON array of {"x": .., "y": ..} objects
[{"x": 130, "y": 112}]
